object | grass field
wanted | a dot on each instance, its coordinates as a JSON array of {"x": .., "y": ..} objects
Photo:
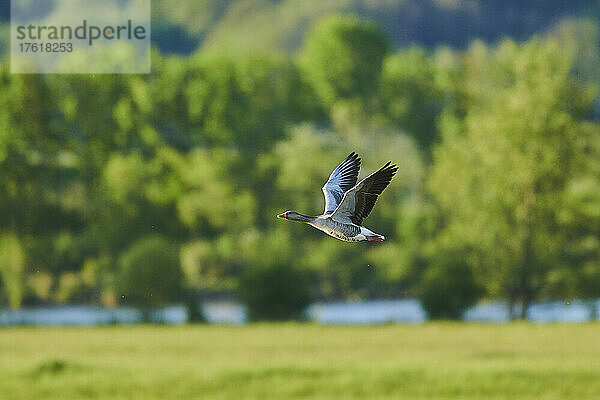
[{"x": 285, "y": 361}]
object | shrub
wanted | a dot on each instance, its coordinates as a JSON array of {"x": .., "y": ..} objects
[
  {"x": 448, "y": 288},
  {"x": 150, "y": 273},
  {"x": 275, "y": 292}
]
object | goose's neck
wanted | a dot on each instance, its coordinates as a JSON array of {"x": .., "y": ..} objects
[{"x": 301, "y": 218}]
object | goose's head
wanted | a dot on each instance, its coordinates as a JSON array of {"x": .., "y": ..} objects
[
  {"x": 293, "y": 216},
  {"x": 285, "y": 215}
]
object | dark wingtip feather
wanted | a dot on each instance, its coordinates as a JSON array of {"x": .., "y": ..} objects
[
  {"x": 352, "y": 158},
  {"x": 387, "y": 167}
]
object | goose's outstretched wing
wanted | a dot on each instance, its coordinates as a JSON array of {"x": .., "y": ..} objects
[
  {"x": 357, "y": 203},
  {"x": 340, "y": 181}
]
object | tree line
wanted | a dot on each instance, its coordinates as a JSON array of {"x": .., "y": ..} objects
[{"x": 150, "y": 189}]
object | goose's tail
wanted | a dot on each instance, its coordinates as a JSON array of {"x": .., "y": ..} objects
[{"x": 375, "y": 238}]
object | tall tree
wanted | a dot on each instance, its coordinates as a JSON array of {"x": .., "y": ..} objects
[{"x": 501, "y": 181}]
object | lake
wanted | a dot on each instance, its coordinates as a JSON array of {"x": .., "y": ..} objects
[{"x": 357, "y": 312}]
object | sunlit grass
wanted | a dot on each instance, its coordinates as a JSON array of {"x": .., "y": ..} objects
[{"x": 281, "y": 361}]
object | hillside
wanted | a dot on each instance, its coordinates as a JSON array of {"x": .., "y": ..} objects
[
  {"x": 249, "y": 25},
  {"x": 242, "y": 26}
]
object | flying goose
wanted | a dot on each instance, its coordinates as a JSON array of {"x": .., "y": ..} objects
[{"x": 347, "y": 203}]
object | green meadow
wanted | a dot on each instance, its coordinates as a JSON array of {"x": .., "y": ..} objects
[{"x": 303, "y": 361}]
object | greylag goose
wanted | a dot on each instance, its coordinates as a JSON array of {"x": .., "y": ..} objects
[{"x": 347, "y": 203}]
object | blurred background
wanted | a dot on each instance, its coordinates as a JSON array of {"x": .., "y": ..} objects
[{"x": 127, "y": 198}]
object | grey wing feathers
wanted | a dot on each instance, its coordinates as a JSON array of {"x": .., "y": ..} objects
[
  {"x": 342, "y": 179},
  {"x": 359, "y": 201}
]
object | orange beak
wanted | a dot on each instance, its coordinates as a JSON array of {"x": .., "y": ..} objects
[{"x": 281, "y": 216}]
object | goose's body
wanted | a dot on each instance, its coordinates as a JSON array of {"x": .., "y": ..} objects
[
  {"x": 347, "y": 232},
  {"x": 348, "y": 203}
]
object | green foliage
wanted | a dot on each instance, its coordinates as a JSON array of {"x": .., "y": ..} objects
[
  {"x": 501, "y": 183},
  {"x": 12, "y": 269},
  {"x": 149, "y": 272},
  {"x": 248, "y": 101},
  {"x": 580, "y": 221},
  {"x": 404, "y": 263},
  {"x": 275, "y": 292},
  {"x": 497, "y": 147},
  {"x": 412, "y": 95},
  {"x": 69, "y": 287},
  {"x": 210, "y": 205},
  {"x": 343, "y": 57}
]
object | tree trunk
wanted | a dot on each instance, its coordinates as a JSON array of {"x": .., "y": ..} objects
[
  {"x": 524, "y": 307},
  {"x": 511, "y": 307},
  {"x": 526, "y": 290},
  {"x": 594, "y": 312},
  {"x": 146, "y": 315},
  {"x": 194, "y": 309}
]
